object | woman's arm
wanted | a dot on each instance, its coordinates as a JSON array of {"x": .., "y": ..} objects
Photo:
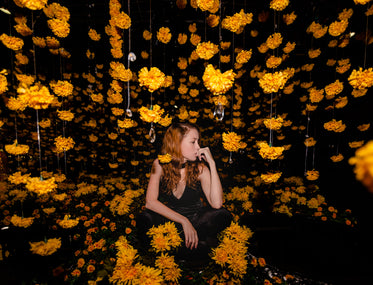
[
  {"x": 152, "y": 203},
  {"x": 210, "y": 180}
]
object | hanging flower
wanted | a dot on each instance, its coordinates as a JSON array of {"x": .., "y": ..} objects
[
  {"x": 274, "y": 41},
  {"x": 152, "y": 115},
  {"x": 195, "y": 39},
  {"x": 126, "y": 123},
  {"x": 271, "y": 177},
  {"x": 232, "y": 142},
  {"x": 333, "y": 89},
  {"x": 39, "y": 42},
  {"x": 164, "y": 35},
  {"x": 21, "y": 59},
  {"x": 355, "y": 144},
  {"x": 164, "y": 158},
  {"x": 313, "y": 53},
  {"x": 341, "y": 102},
  {"x": 312, "y": 175},
  {"x": 272, "y": 82},
  {"x": 273, "y": 61},
  {"x": 21, "y": 222},
  {"x": 16, "y": 149},
  {"x": 308, "y": 142},
  {"x": 361, "y": 2},
  {"x": 205, "y": 5},
  {"x": 182, "y": 39},
  {"x": 63, "y": 144},
  {"x": 182, "y": 63},
  {"x": 338, "y": 27},
  {"x": 45, "y": 248},
  {"x": 335, "y": 126},
  {"x": 45, "y": 123},
  {"x": 93, "y": 35},
  {"x": 12, "y": 43},
  {"x": 65, "y": 115},
  {"x": 59, "y": 27},
  {"x": 62, "y": 88},
  {"x": 316, "y": 95},
  {"x": 237, "y": 22},
  {"x": 151, "y": 79},
  {"x": 289, "y": 18},
  {"x": 363, "y": 127},
  {"x": 68, "y": 223},
  {"x": 278, "y": 5},
  {"x": 360, "y": 79},
  {"x": 220, "y": 99},
  {"x": 273, "y": 123},
  {"x": 17, "y": 178},
  {"x": 359, "y": 92},
  {"x": 217, "y": 82},
  {"x": 164, "y": 237},
  {"x": 119, "y": 72},
  {"x": 269, "y": 152},
  {"x": 244, "y": 56},
  {"x": 213, "y": 20},
  {"x": 337, "y": 158},
  {"x": 165, "y": 121},
  {"x": 41, "y": 186},
  {"x": 207, "y": 50},
  {"x": 121, "y": 20},
  {"x": 363, "y": 162},
  {"x": 37, "y": 96},
  {"x": 147, "y": 35}
]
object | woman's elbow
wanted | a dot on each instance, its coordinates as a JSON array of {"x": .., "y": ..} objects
[
  {"x": 149, "y": 204},
  {"x": 217, "y": 205}
]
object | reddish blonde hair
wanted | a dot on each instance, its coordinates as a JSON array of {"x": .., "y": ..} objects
[{"x": 171, "y": 144}]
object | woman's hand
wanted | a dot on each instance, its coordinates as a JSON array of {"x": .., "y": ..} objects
[
  {"x": 190, "y": 234},
  {"x": 205, "y": 154}
]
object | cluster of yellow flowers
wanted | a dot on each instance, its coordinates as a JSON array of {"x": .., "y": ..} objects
[
  {"x": 164, "y": 35},
  {"x": 126, "y": 123},
  {"x": 279, "y": 5},
  {"x": 272, "y": 82},
  {"x": 207, "y": 5},
  {"x": 119, "y": 72},
  {"x": 333, "y": 89},
  {"x": 335, "y": 126},
  {"x": 3, "y": 81},
  {"x": 274, "y": 41},
  {"x": 41, "y": 186},
  {"x": 360, "y": 79},
  {"x": 68, "y": 223},
  {"x": 316, "y": 95},
  {"x": 22, "y": 27},
  {"x": 62, "y": 88},
  {"x": 164, "y": 158},
  {"x": 269, "y": 152},
  {"x": 273, "y": 61},
  {"x": 271, "y": 177},
  {"x": 120, "y": 205},
  {"x": 152, "y": 115},
  {"x": 308, "y": 142},
  {"x": 312, "y": 175},
  {"x": 363, "y": 163},
  {"x": 207, "y": 50},
  {"x": 18, "y": 178},
  {"x": 63, "y": 144},
  {"x": 12, "y": 43},
  {"x": 151, "y": 79},
  {"x": 289, "y": 18},
  {"x": 15, "y": 104},
  {"x": 164, "y": 237},
  {"x": 273, "y": 123},
  {"x": 93, "y": 35},
  {"x": 170, "y": 270},
  {"x": 361, "y": 2},
  {"x": 65, "y": 115},
  {"x": 217, "y": 82},
  {"x": 59, "y": 27},
  {"x": 126, "y": 272},
  {"x": 213, "y": 20},
  {"x": 231, "y": 251},
  {"x": 21, "y": 222},
  {"x": 317, "y": 30},
  {"x": 45, "y": 248},
  {"x": 31, "y": 4},
  {"x": 220, "y": 99},
  {"x": 17, "y": 149},
  {"x": 45, "y": 123},
  {"x": 37, "y": 96},
  {"x": 244, "y": 56},
  {"x": 232, "y": 141},
  {"x": 237, "y": 22},
  {"x": 338, "y": 27}
]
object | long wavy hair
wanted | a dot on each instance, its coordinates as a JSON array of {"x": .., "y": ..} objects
[{"x": 171, "y": 144}]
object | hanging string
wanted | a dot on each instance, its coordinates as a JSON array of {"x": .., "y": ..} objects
[
  {"x": 366, "y": 40},
  {"x": 128, "y": 110},
  {"x": 39, "y": 144},
  {"x": 151, "y": 48},
  {"x": 220, "y": 37}
]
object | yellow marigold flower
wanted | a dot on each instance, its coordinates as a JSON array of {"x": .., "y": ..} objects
[
  {"x": 59, "y": 27},
  {"x": 15, "y": 104},
  {"x": 361, "y": 2},
  {"x": 244, "y": 56},
  {"x": 207, "y": 50},
  {"x": 225, "y": 45},
  {"x": 98, "y": 98},
  {"x": 220, "y": 99},
  {"x": 271, "y": 177},
  {"x": 359, "y": 92},
  {"x": 273, "y": 61},
  {"x": 121, "y": 20},
  {"x": 182, "y": 63},
  {"x": 117, "y": 111},
  {"x": 37, "y": 96},
  {"x": 307, "y": 67},
  {"x": 166, "y": 121},
  {"x": 151, "y": 79},
  {"x": 45, "y": 248},
  {"x": 225, "y": 58},
  {"x": 341, "y": 102},
  {"x": 23, "y": 29},
  {"x": 232, "y": 141},
  {"x": 274, "y": 41},
  {"x": 213, "y": 20},
  {"x": 12, "y": 43},
  {"x": 363, "y": 127},
  {"x": 45, "y": 123},
  {"x": 164, "y": 237},
  {"x": 151, "y": 115},
  {"x": 269, "y": 152},
  {"x": 16, "y": 149},
  {"x": 41, "y": 186},
  {"x": 289, "y": 18},
  {"x": 237, "y": 22},
  {"x": 21, "y": 59},
  {"x": 205, "y": 5},
  {"x": 273, "y": 123},
  {"x": 369, "y": 12},
  {"x": 361, "y": 79},
  {"x": 119, "y": 72},
  {"x": 183, "y": 89},
  {"x": 279, "y": 5},
  {"x": 308, "y": 142},
  {"x": 272, "y": 82},
  {"x": 289, "y": 47},
  {"x": 193, "y": 92},
  {"x": 55, "y": 10},
  {"x": 167, "y": 81},
  {"x": 345, "y": 14},
  {"x": 316, "y": 95},
  {"x": 68, "y": 223},
  {"x": 312, "y": 175},
  {"x": 333, "y": 89},
  {"x": 335, "y": 126},
  {"x": 192, "y": 28},
  {"x": 18, "y": 178},
  {"x": 338, "y": 27},
  {"x": 62, "y": 88},
  {"x": 164, "y": 35},
  {"x": 94, "y": 36},
  {"x": 170, "y": 270},
  {"x": 164, "y": 158},
  {"x": 147, "y": 35},
  {"x": 182, "y": 38},
  {"x": 356, "y": 144},
  {"x": 217, "y": 82},
  {"x": 313, "y": 53},
  {"x": 195, "y": 39},
  {"x": 113, "y": 136},
  {"x": 337, "y": 158},
  {"x": 363, "y": 162},
  {"x": 63, "y": 144},
  {"x": 21, "y": 222}
]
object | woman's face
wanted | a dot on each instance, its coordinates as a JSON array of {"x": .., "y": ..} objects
[{"x": 190, "y": 146}]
